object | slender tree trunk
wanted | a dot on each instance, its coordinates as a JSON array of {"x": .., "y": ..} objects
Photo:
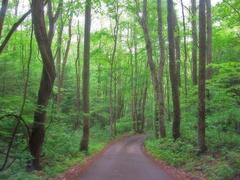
[
  {"x": 16, "y": 7},
  {"x": 65, "y": 58},
  {"x": 209, "y": 37},
  {"x": 177, "y": 39},
  {"x": 161, "y": 70},
  {"x": 78, "y": 81},
  {"x": 194, "y": 42},
  {"x": 86, "y": 77},
  {"x": 168, "y": 95},
  {"x": 185, "y": 50},
  {"x": 202, "y": 76},
  {"x": 59, "y": 62},
  {"x": 46, "y": 84},
  {"x": 3, "y": 11},
  {"x": 152, "y": 66},
  {"x": 111, "y": 106},
  {"x": 173, "y": 72},
  {"x": 52, "y": 19}
]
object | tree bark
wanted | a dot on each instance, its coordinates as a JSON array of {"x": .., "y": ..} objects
[
  {"x": 152, "y": 66},
  {"x": 65, "y": 59},
  {"x": 3, "y": 11},
  {"x": 202, "y": 75},
  {"x": 161, "y": 70},
  {"x": 46, "y": 84},
  {"x": 52, "y": 19},
  {"x": 78, "y": 81},
  {"x": 16, "y": 7},
  {"x": 194, "y": 42},
  {"x": 173, "y": 72},
  {"x": 185, "y": 50},
  {"x": 86, "y": 77},
  {"x": 209, "y": 38},
  {"x": 177, "y": 39},
  {"x": 112, "y": 111},
  {"x": 59, "y": 62}
]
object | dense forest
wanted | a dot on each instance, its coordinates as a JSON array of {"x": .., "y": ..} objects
[{"x": 76, "y": 75}]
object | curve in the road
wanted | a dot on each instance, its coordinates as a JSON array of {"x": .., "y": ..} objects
[{"x": 125, "y": 161}]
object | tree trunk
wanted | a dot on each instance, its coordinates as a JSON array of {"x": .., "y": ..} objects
[
  {"x": 152, "y": 66},
  {"x": 111, "y": 106},
  {"x": 78, "y": 81},
  {"x": 16, "y": 2},
  {"x": 65, "y": 58},
  {"x": 185, "y": 50},
  {"x": 177, "y": 39},
  {"x": 194, "y": 42},
  {"x": 161, "y": 70},
  {"x": 52, "y": 19},
  {"x": 202, "y": 76},
  {"x": 86, "y": 69},
  {"x": 209, "y": 37},
  {"x": 3, "y": 11},
  {"x": 46, "y": 84},
  {"x": 173, "y": 72},
  {"x": 59, "y": 61}
]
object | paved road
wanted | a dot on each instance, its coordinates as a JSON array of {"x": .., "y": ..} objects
[{"x": 125, "y": 161}]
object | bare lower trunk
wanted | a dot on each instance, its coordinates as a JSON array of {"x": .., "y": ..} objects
[
  {"x": 202, "y": 76},
  {"x": 86, "y": 68},
  {"x": 173, "y": 72},
  {"x": 161, "y": 70}
]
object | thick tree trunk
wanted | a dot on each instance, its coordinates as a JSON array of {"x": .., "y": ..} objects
[
  {"x": 209, "y": 38},
  {"x": 202, "y": 76},
  {"x": 46, "y": 84},
  {"x": 3, "y": 11},
  {"x": 86, "y": 77},
  {"x": 194, "y": 42},
  {"x": 173, "y": 72}
]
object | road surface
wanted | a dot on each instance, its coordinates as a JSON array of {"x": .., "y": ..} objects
[{"x": 125, "y": 161}]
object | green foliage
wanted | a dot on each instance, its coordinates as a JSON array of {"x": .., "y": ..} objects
[
  {"x": 182, "y": 154},
  {"x": 124, "y": 125},
  {"x": 61, "y": 147},
  {"x": 60, "y": 151}
]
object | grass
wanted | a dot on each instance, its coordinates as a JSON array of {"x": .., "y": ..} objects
[{"x": 221, "y": 162}]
